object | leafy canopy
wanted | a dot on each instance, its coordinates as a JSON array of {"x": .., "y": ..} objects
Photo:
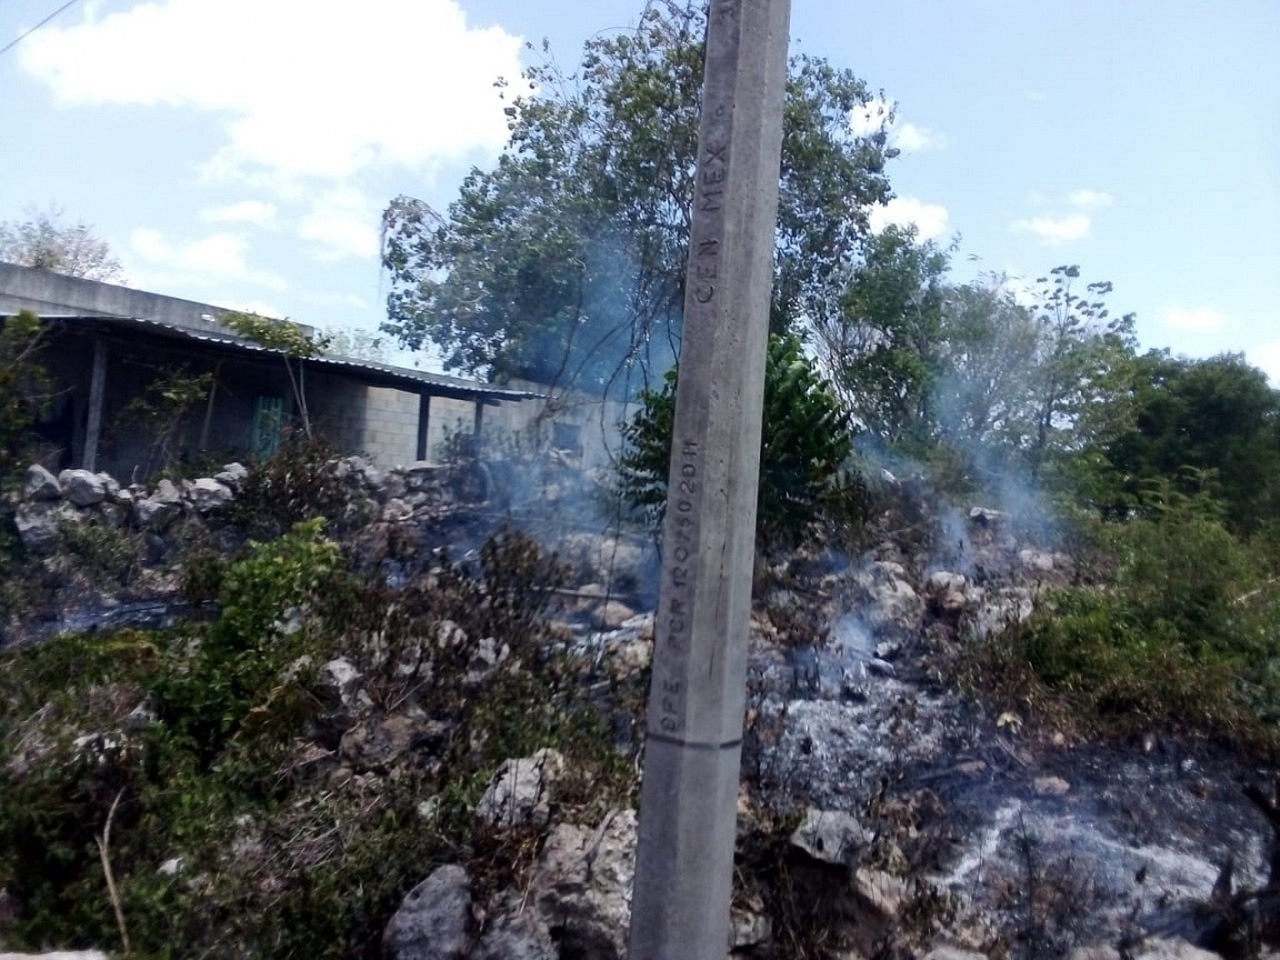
[
  {"x": 45, "y": 241},
  {"x": 805, "y": 443},
  {"x": 565, "y": 262}
]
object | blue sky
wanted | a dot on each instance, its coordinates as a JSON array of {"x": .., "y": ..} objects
[{"x": 240, "y": 151}]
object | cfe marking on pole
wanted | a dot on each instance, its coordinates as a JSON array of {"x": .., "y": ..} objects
[{"x": 688, "y": 809}]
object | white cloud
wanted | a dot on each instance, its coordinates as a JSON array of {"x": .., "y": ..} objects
[
  {"x": 333, "y": 299},
  {"x": 906, "y": 136},
  {"x": 1056, "y": 230},
  {"x": 1036, "y": 96},
  {"x": 911, "y": 138},
  {"x": 256, "y": 212},
  {"x": 1195, "y": 319},
  {"x": 262, "y": 308},
  {"x": 930, "y": 219},
  {"x": 868, "y": 119},
  {"x": 303, "y": 87},
  {"x": 343, "y": 222},
  {"x": 209, "y": 262},
  {"x": 1266, "y": 357},
  {"x": 1019, "y": 287},
  {"x": 1090, "y": 199}
]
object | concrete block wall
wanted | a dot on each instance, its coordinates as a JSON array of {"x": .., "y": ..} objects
[
  {"x": 597, "y": 420},
  {"x": 381, "y": 422}
]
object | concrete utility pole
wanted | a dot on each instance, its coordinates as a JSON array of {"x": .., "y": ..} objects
[{"x": 688, "y": 808}]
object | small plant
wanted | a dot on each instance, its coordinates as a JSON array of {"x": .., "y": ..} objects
[
  {"x": 299, "y": 482},
  {"x": 288, "y": 339},
  {"x": 24, "y": 390},
  {"x": 110, "y": 556},
  {"x": 1186, "y": 635},
  {"x": 161, "y": 410},
  {"x": 806, "y": 444},
  {"x": 243, "y": 825}
]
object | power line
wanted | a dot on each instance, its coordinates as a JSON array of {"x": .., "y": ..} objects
[{"x": 22, "y": 36}]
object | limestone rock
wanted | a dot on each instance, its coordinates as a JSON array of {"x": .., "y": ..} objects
[
  {"x": 582, "y": 886},
  {"x": 208, "y": 494},
  {"x": 37, "y": 524},
  {"x": 631, "y": 651},
  {"x": 1002, "y": 610},
  {"x": 882, "y": 891},
  {"x": 338, "y": 684},
  {"x": 1153, "y": 948},
  {"x": 947, "y": 591},
  {"x": 167, "y": 492},
  {"x": 1050, "y": 787},
  {"x": 748, "y": 928},
  {"x": 986, "y": 517},
  {"x": 1162, "y": 948},
  {"x": 396, "y": 510},
  {"x": 606, "y": 559},
  {"x": 232, "y": 475},
  {"x": 433, "y": 920},
  {"x": 153, "y": 513},
  {"x": 82, "y": 487},
  {"x": 40, "y": 484},
  {"x": 378, "y": 743},
  {"x": 953, "y": 953},
  {"x": 516, "y": 932},
  {"x": 832, "y": 837},
  {"x": 1036, "y": 560},
  {"x": 613, "y": 614},
  {"x": 520, "y": 792},
  {"x": 889, "y": 603}
]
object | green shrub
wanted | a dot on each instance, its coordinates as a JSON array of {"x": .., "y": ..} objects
[
  {"x": 277, "y": 859},
  {"x": 300, "y": 481},
  {"x": 1185, "y": 635},
  {"x": 110, "y": 556},
  {"x": 244, "y": 652},
  {"x": 24, "y": 390},
  {"x": 806, "y": 443}
]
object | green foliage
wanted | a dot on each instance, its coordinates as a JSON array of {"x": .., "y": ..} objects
[
  {"x": 1207, "y": 427},
  {"x": 161, "y": 410},
  {"x": 882, "y": 343},
  {"x": 987, "y": 355},
  {"x": 108, "y": 555},
  {"x": 299, "y": 482},
  {"x": 355, "y": 343},
  {"x": 24, "y": 390},
  {"x": 263, "y": 601},
  {"x": 1080, "y": 368},
  {"x": 24, "y": 394},
  {"x": 274, "y": 847},
  {"x": 283, "y": 336},
  {"x": 1185, "y": 635},
  {"x": 291, "y": 341},
  {"x": 565, "y": 263},
  {"x": 968, "y": 379},
  {"x": 805, "y": 445}
]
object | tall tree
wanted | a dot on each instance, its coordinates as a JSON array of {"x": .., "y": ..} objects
[
  {"x": 45, "y": 241},
  {"x": 1205, "y": 427},
  {"x": 986, "y": 354},
  {"x": 882, "y": 341},
  {"x": 1082, "y": 362},
  {"x": 565, "y": 262}
]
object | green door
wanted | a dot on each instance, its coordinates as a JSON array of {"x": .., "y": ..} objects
[{"x": 268, "y": 419}]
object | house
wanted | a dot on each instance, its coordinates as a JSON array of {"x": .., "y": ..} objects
[{"x": 110, "y": 346}]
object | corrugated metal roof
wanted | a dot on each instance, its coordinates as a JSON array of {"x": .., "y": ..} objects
[{"x": 368, "y": 371}]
